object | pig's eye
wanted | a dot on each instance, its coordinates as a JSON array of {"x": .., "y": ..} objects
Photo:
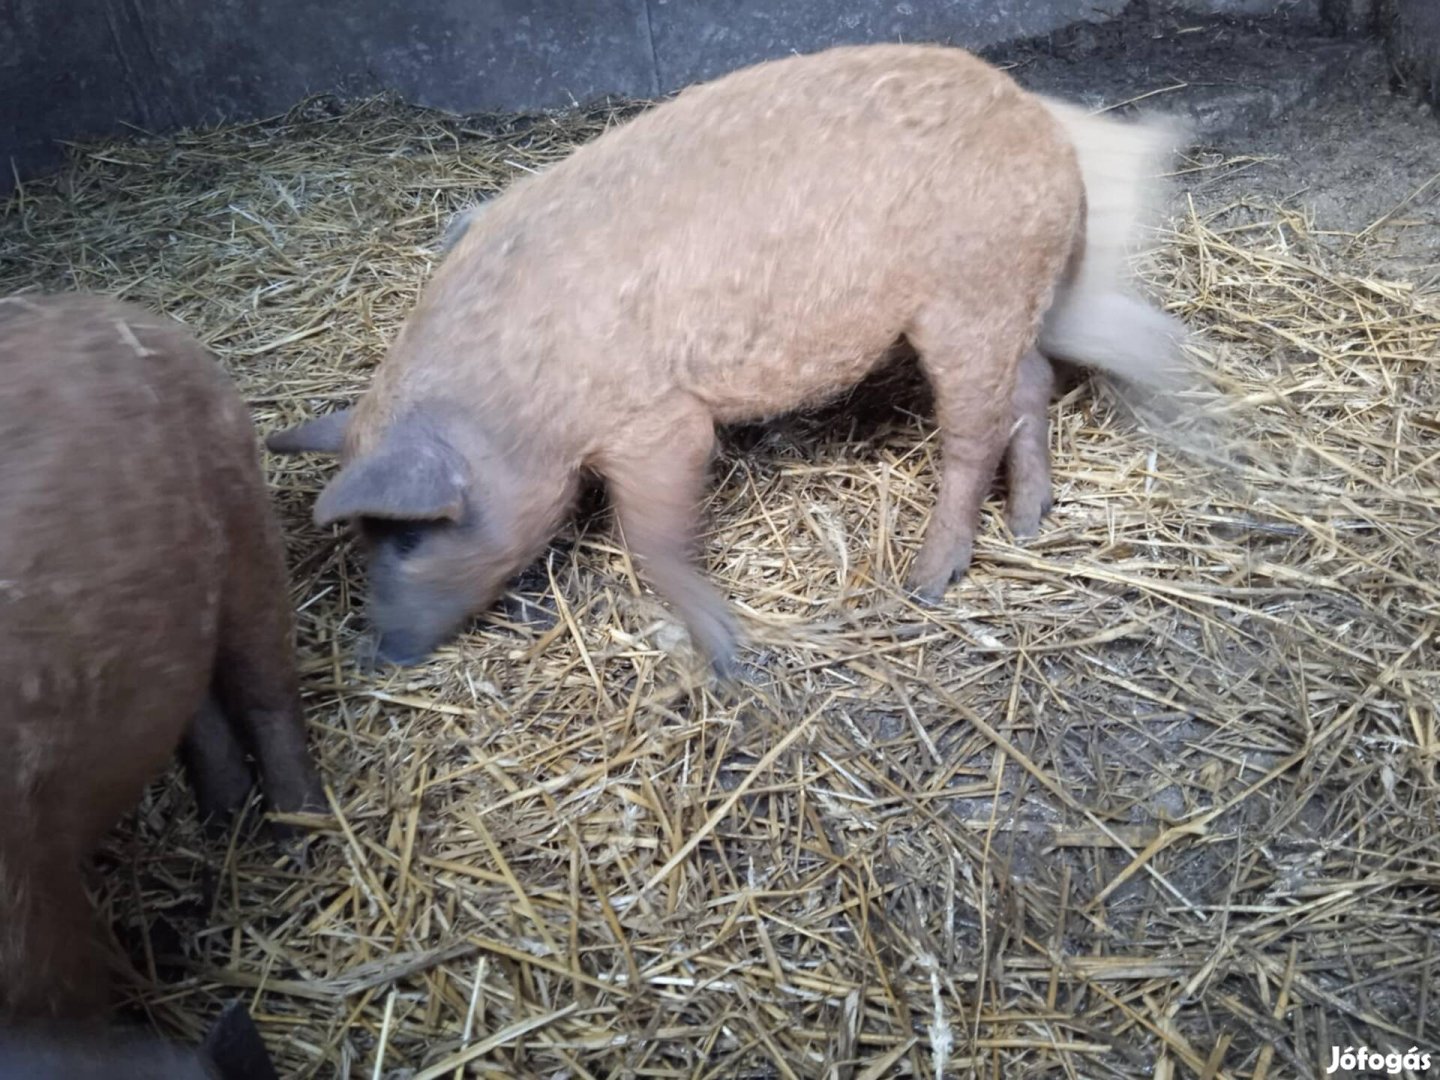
[{"x": 401, "y": 537}]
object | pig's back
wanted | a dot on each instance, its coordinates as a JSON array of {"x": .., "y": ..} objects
[
  {"x": 770, "y": 232},
  {"x": 117, "y": 444}
]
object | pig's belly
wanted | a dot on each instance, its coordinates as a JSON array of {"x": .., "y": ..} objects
[{"x": 754, "y": 375}]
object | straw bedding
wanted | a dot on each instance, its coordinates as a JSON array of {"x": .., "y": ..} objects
[{"x": 1152, "y": 795}]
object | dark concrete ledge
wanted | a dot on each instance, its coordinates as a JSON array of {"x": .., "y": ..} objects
[{"x": 82, "y": 69}]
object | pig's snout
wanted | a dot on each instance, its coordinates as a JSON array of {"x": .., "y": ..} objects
[
  {"x": 418, "y": 601},
  {"x": 409, "y": 620},
  {"x": 401, "y": 638}
]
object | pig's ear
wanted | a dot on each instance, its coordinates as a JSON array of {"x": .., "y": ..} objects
[
  {"x": 322, "y": 435},
  {"x": 410, "y": 476}
]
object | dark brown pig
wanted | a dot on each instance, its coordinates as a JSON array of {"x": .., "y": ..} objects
[
  {"x": 233, "y": 1050},
  {"x": 754, "y": 246},
  {"x": 142, "y": 593},
  {"x": 68, "y": 1056}
]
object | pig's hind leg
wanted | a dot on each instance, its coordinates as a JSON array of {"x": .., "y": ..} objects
[
  {"x": 1027, "y": 457},
  {"x": 655, "y": 473},
  {"x": 971, "y": 365}
]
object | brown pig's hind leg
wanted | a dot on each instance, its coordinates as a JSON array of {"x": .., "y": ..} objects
[
  {"x": 971, "y": 367},
  {"x": 1027, "y": 458}
]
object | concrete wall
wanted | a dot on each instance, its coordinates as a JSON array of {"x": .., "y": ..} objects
[{"x": 78, "y": 69}]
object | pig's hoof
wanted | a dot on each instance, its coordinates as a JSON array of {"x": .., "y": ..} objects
[
  {"x": 296, "y": 791},
  {"x": 734, "y": 682},
  {"x": 752, "y": 672},
  {"x": 235, "y": 1048},
  {"x": 216, "y": 823},
  {"x": 219, "y": 800},
  {"x": 725, "y": 668},
  {"x": 723, "y": 655},
  {"x": 931, "y": 574},
  {"x": 313, "y": 801},
  {"x": 221, "y": 782},
  {"x": 292, "y": 843},
  {"x": 1024, "y": 521},
  {"x": 925, "y": 596},
  {"x": 714, "y": 637},
  {"x": 1025, "y": 512},
  {"x": 736, "y": 675},
  {"x": 928, "y": 589}
]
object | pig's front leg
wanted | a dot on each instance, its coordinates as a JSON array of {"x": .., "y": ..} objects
[
  {"x": 655, "y": 472},
  {"x": 51, "y": 965},
  {"x": 214, "y": 760},
  {"x": 255, "y": 680}
]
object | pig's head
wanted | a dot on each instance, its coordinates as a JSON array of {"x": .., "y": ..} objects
[{"x": 413, "y": 487}]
